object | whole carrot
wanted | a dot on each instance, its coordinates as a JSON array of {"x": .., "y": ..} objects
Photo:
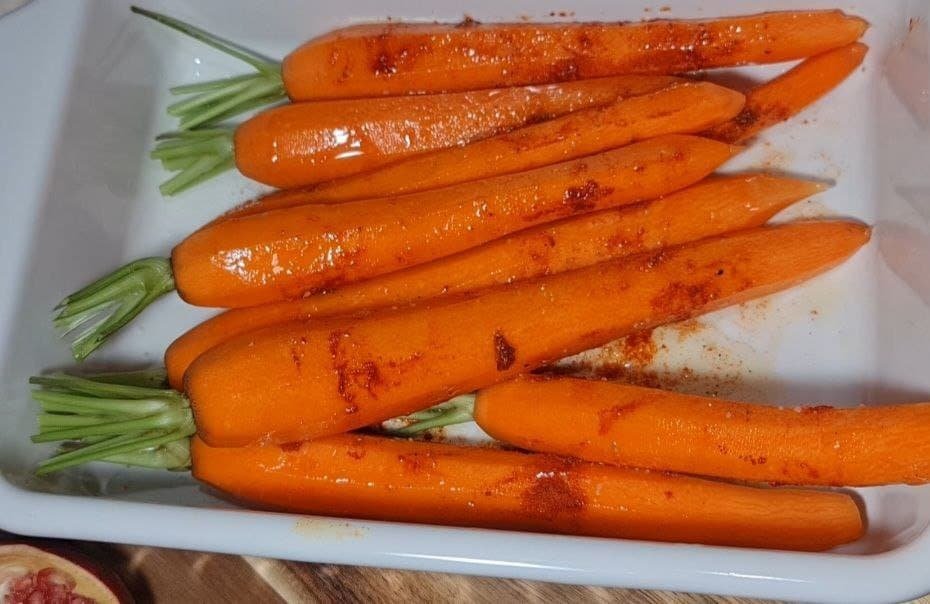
[
  {"x": 785, "y": 96},
  {"x": 306, "y": 143},
  {"x": 681, "y": 108},
  {"x": 713, "y": 206},
  {"x": 647, "y": 428},
  {"x": 387, "y": 479},
  {"x": 292, "y": 252},
  {"x": 399, "y": 58},
  {"x": 371, "y": 60},
  {"x": 299, "y": 381}
]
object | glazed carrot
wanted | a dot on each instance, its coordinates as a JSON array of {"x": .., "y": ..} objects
[
  {"x": 372, "y": 60},
  {"x": 400, "y": 58},
  {"x": 292, "y": 252},
  {"x": 785, "y": 96},
  {"x": 306, "y": 143},
  {"x": 713, "y": 206},
  {"x": 647, "y": 428},
  {"x": 288, "y": 253},
  {"x": 386, "y": 479},
  {"x": 297, "y": 381},
  {"x": 681, "y": 108}
]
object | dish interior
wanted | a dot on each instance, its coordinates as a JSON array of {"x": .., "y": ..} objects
[{"x": 855, "y": 336}]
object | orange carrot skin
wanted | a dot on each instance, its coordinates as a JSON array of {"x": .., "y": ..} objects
[
  {"x": 647, "y": 428},
  {"x": 305, "y": 143},
  {"x": 681, "y": 108},
  {"x": 403, "y": 58},
  {"x": 385, "y": 479},
  {"x": 714, "y": 206},
  {"x": 296, "y": 381},
  {"x": 288, "y": 253},
  {"x": 788, "y": 94}
]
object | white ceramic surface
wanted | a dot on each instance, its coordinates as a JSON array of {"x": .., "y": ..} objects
[{"x": 82, "y": 93}]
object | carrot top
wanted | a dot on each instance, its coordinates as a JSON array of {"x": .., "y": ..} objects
[{"x": 212, "y": 102}]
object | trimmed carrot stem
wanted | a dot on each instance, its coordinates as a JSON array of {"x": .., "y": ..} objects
[
  {"x": 92, "y": 314},
  {"x": 212, "y": 102}
]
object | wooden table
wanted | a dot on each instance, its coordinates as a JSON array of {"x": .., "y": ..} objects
[
  {"x": 167, "y": 576},
  {"x": 159, "y": 575}
]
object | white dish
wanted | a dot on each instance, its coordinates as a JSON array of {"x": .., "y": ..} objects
[{"x": 85, "y": 84}]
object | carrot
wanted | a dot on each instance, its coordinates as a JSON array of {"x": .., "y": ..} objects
[
  {"x": 399, "y": 58},
  {"x": 713, "y": 206},
  {"x": 380, "y": 59},
  {"x": 297, "y": 381},
  {"x": 785, "y": 96},
  {"x": 289, "y": 253},
  {"x": 647, "y": 428},
  {"x": 680, "y": 108},
  {"x": 386, "y": 479},
  {"x": 307, "y": 143}
]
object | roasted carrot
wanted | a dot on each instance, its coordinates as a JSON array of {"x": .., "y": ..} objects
[
  {"x": 296, "y": 381},
  {"x": 387, "y": 479},
  {"x": 400, "y": 58},
  {"x": 306, "y": 143},
  {"x": 713, "y": 206},
  {"x": 647, "y": 428},
  {"x": 378, "y": 59},
  {"x": 288, "y": 253},
  {"x": 785, "y": 96},
  {"x": 681, "y": 108}
]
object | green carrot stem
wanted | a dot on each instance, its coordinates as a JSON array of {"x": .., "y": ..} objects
[
  {"x": 164, "y": 420},
  {"x": 133, "y": 429},
  {"x": 247, "y": 56},
  {"x": 233, "y": 102},
  {"x": 96, "y": 312},
  {"x": 50, "y": 421},
  {"x": 194, "y": 148},
  {"x": 218, "y": 100},
  {"x": 119, "y": 445},
  {"x": 178, "y": 164},
  {"x": 204, "y": 156},
  {"x": 146, "y": 384},
  {"x": 247, "y": 105},
  {"x": 181, "y": 138},
  {"x": 458, "y": 410},
  {"x": 174, "y": 455},
  {"x": 201, "y": 87},
  {"x": 66, "y": 402},
  {"x": 155, "y": 378},
  {"x": 93, "y": 451},
  {"x": 213, "y": 96}
]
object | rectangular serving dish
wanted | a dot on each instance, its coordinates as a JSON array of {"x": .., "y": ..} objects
[{"x": 84, "y": 87}]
